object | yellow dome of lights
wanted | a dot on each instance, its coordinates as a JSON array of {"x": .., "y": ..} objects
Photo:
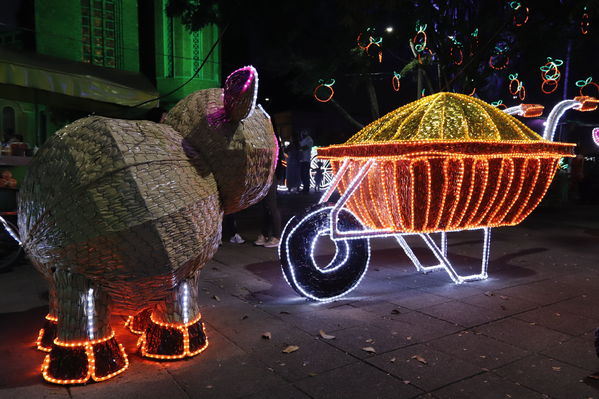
[
  {"x": 445, "y": 162},
  {"x": 445, "y": 116}
]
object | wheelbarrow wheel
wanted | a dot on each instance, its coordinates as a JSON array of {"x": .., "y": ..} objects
[{"x": 300, "y": 268}]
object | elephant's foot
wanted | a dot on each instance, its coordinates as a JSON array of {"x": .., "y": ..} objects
[
  {"x": 47, "y": 333},
  {"x": 168, "y": 341},
  {"x": 139, "y": 323},
  {"x": 81, "y": 362}
]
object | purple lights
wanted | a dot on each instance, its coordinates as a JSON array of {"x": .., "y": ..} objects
[
  {"x": 241, "y": 88},
  {"x": 596, "y": 135}
]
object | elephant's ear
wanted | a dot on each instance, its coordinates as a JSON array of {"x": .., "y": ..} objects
[{"x": 241, "y": 88}]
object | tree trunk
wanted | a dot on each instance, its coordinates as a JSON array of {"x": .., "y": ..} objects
[
  {"x": 346, "y": 114},
  {"x": 374, "y": 102}
]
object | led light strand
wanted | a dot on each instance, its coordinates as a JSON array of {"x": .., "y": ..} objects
[
  {"x": 395, "y": 83},
  {"x": 499, "y": 53},
  {"x": 520, "y": 13},
  {"x": 516, "y": 87},
  {"x": 596, "y": 135},
  {"x": 305, "y": 291},
  {"x": 493, "y": 189},
  {"x": 585, "y": 22},
  {"x": 419, "y": 39},
  {"x": 587, "y": 82},
  {"x": 499, "y": 104},
  {"x": 40, "y": 336},
  {"x": 11, "y": 231},
  {"x": 329, "y": 86},
  {"x": 556, "y": 114},
  {"x": 183, "y": 329},
  {"x": 455, "y": 52},
  {"x": 129, "y": 325},
  {"x": 91, "y": 361},
  {"x": 473, "y": 41},
  {"x": 89, "y": 310},
  {"x": 331, "y": 267},
  {"x": 372, "y": 41},
  {"x": 550, "y": 75},
  {"x": 185, "y": 301}
]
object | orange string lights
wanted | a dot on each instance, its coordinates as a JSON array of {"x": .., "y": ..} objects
[
  {"x": 419, "y": 40},
  {"x": 520, "y": 12},
  {"x": 449, "y": 162},
  {"x": 192, "y": 336},
  {"x": 585, "y": 22},
  {"x": 551, "y": 75},
  {"x": 327, "y": 86},
  {"x": 516, "y": 87},
  {"x": 395, "y": 81},
  {"x": 372, "y": 46},
  {"x": 500, "y": 58},
  {"x": 46, "y": 335},
  {"x": 83, "y": 355},
  {"x": 587, "y": 82},
  {"x": 455, "y": 52}
]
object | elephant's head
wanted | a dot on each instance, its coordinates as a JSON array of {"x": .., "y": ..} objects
[{"x": 233, "y": 135}]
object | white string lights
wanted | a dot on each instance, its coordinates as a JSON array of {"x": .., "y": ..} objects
[{"x": 352, "y": 221}]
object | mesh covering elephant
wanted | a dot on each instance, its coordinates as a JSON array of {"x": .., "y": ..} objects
[{"x": 120, "y": 216}]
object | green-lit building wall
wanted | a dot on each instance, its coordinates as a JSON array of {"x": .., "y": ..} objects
[
  {"x": 106, "y": 28},
  {"x": 106, "y": 33},
  {"x": 179, "y": 53}
]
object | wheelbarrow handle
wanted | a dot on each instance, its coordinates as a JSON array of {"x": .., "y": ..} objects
[
  {"x": 581, "y": 103},
  {"x": 525, "y": 110}
]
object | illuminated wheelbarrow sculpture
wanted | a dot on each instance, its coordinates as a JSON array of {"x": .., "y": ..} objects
[{"x": 447, "y": 162}]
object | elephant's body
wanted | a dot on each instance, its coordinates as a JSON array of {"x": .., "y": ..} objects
[
  {"x": 120, "y": 216},
  {"x": 121, "y": 203}
]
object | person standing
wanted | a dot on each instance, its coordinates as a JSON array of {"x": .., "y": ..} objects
[
  {"x": 271, "y": 216},
  {"x": 271, "y": 220},
  {"x": 306, "y": 143},
  {"x": 292, "y": 172}
]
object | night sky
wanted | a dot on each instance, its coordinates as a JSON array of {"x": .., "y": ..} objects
[{"x": 294, "y": 46}]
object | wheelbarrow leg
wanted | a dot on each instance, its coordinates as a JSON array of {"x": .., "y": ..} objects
[
  {"x": 441, "y": 255},
  {"x": 415, "y": 261}
]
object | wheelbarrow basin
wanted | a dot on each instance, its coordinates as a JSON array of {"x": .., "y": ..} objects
[{"x": 446, "y": 185}]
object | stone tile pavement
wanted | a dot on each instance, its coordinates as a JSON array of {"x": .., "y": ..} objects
[{"x": 526, "y": 332}]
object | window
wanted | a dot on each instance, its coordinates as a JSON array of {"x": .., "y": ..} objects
[{"x": 99, "y": 36}]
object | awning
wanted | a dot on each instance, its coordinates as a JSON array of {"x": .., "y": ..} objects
[{"x": 76, "y": 79}]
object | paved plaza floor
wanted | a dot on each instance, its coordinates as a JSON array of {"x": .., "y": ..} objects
[{"x": 526, "y": 332}]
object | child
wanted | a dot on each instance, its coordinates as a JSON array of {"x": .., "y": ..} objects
[{"x": 318, "y": 175}]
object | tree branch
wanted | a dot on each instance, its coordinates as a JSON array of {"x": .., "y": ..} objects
[{"x": 346, "y": 114}]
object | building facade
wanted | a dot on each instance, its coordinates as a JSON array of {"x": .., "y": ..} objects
[{"x": 64, "y": 59}]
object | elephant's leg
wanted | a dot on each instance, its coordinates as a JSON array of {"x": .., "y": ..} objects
[
  {"x": 85, "y": 347},
  {"x": 47, "y": 333},
  {"x": 175, "y": 328}
]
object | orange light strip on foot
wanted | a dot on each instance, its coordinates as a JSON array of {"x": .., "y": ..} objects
[
  {"x": 40, "y": 335},
  {"x": 181, "y": 327},
  {"x": 38, "y": 341},
  {"x": 91, "y": 361},
  {"x": 129, "y": 325}
]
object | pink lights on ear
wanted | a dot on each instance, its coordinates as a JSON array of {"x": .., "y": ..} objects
[
  {"x": 248, "y": 71},
  {"x": 596, "y": 135},
  {"x": 239, "y": 94}
]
